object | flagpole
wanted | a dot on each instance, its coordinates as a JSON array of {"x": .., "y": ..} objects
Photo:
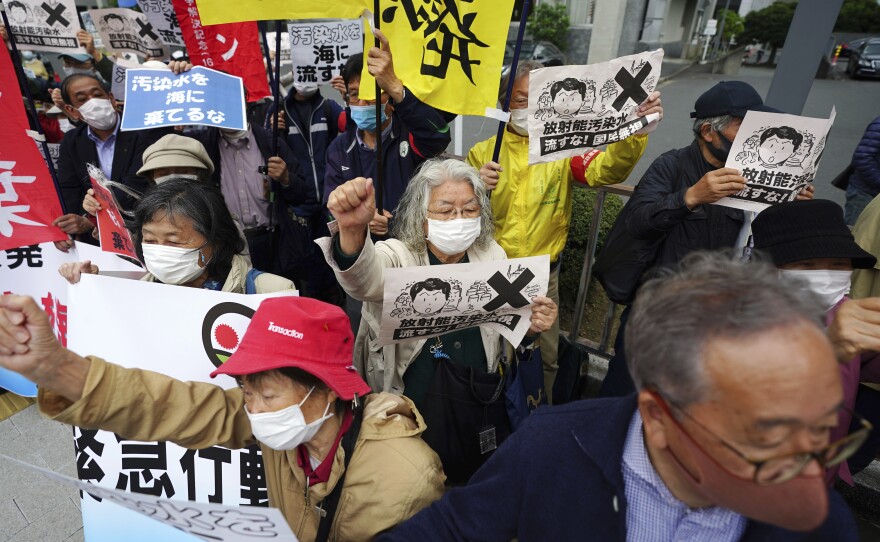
[
  {"x": 22, "y": 82},
  {"x": 377, "y": 182},
  {"x": 262, "y": 27},
  {"x": 276, "y": 94},
  {"x": 511, "y": 76}
]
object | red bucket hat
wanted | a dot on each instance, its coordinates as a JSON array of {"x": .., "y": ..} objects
[{"x": 304, "y": 333}]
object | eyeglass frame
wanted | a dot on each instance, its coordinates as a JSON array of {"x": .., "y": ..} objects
[
  {"x": 845, "y": 444},
  {"x": 457, "y": 213}
]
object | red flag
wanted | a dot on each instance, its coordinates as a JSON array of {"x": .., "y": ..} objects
[
  {"x": 112, "y": 233},
  {"x": 232, "y": 48},
  {"x": 28, "y": 201}
]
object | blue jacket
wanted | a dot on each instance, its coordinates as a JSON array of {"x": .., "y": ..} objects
[
  {"x": 866, "y": 161},
  {"x": 418, "y": 132},
  {"x": 559, "y": 478},
  {"x": 311, "y": 151}
]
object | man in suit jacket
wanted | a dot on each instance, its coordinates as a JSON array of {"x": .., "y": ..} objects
[
  {"x": 97, "y": 141},
  {"x": 726, "y": 439}
]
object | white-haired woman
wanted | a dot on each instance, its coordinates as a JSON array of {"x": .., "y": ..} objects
[{"x": 443, "y": 218}]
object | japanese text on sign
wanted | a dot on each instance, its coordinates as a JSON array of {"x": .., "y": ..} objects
[
  {"x": 46, "y": 25},
  {"x": 318, "y": 51}
]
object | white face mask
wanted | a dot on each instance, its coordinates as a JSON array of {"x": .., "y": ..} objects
[
  {"x": 306, "y": 90},
  {"x": 80, "y": 71},
  {"x": 454, "y": 236},
  {"x": 98, "y": 113},
  {"x": 286, "y": 429},
  {"x": 830, "y": 285},
  {"x": 187, "y": 176},
  {"x": 519, "y": 121},
  {"x": 234, "y": 135},
  {"x": 173, "y": 265}
]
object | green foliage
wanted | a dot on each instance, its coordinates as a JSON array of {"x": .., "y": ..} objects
[
  {"x": 859, "y": 16},
  {"x": 549, "y": 22},
  {"x": 769, "y": 25},
  {"x": 733, "y": 24},
  {"x": 573, "y": 258}
]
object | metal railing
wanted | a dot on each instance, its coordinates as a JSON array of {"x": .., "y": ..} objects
[{"x": 587, "y": 267}]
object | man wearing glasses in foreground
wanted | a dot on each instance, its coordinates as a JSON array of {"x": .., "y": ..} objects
[{"x": 726, "y": 440}]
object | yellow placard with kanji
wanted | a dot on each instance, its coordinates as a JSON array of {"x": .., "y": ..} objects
[
  {"x": 448, "y": 53},
  {"x": 238, "y": 11}
]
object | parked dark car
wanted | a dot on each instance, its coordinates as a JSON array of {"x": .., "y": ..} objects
[
  {"x": 543, "y": 51},
  {"x": 864, "y": 61}
]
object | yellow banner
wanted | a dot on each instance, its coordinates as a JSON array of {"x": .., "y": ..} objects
[
  {"x": 448, "y": 53},
  {"x": 237, "y": 11}
]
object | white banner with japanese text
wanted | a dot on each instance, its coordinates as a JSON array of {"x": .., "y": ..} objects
[
  {"x": 44, "y": 25},
  {"x": 778, "y": 155},
  {"x": 319, "y": 50},
  {"x": 428, "y": 301},
  {"x": 128, "y": 31},
  {"x": 574, "y": 108}
]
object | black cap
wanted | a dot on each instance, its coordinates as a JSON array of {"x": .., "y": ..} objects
[
  {"x": 729, "y": 98},
  {"x": 803, "y": 230}
]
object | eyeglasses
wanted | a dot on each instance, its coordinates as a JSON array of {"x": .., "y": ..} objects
[
  {"x": 777, "y": 470},
  {"x": 450, "y": 213}
]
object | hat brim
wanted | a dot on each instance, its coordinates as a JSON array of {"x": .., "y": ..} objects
[
  {"x": 172, "y": 160},
  {"x": 78, "y": 58},
  {"x": 740, "y": 112},
  {"x": 825, "y": 246},
  {"x": 345, "y": 381}
]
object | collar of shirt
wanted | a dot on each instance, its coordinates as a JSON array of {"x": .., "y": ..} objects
[
  {"x": 654, "y": 513},
  {"x": 385, "y": 133},
  {"x": 91, "y": 135},
  {"x": 321, "y": 473},
  {"x": 238, "y": 143}
]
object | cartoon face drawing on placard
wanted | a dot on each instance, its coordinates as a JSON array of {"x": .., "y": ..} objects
[
  {"x": 778, "y": 144},
  {"x": 18, "y": 12},
  {"x": 429, "y": 296},
  {"x": 114, "y": 22},
  {"x": 570, "y": 95}
]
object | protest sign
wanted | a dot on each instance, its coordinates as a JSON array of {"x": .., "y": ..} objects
[
  {"x": 427, "y": 301},
  {"x": 89, "y": 25},
  {"x": 448, "y": 56},
  {"x": 574, "y": 108},
  {"x": 200, "y": 329},
  {"x": 778, "y": 155},
  {"x": 319, "y": 50},
  {"x": 54, "y": 152},
  {"x": 127, "y": 31},
  {"x": 285, "y": 47},
  {"x": 117, "y": 85},
  {"x": 44, "y": 25},
  {"x": 231, "y": 48},
  {"x": 209, "y": 522},
  {"x": 200, "y": 96},
  {"x": 222, "y": 11},
  {"x": 112, "y": 233},
  {"x": 161, "y": 15},
  {"x": 28, "y": 200},
  {"x": 33, "y": 270}
]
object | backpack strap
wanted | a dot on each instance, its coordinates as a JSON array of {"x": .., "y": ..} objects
[
  {"x": 250, "y": 282},
  {"x": 331, "y": 501}
]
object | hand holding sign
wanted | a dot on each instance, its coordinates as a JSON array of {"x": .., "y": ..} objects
[
  {"x": 544, "y": 313},
  {"x": 73, "y": 271},
  {"x": 713, "y": 186}
]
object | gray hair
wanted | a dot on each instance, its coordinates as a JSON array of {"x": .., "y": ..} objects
[
  {"x": 716, "y": 124},
  {"x": 412, "y": 210},
  {"x": 522, "y": 68},
  {"x": 709, "y": 296}
]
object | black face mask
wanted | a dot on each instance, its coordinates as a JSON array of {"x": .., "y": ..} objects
[{"x": 721, "y": 153}]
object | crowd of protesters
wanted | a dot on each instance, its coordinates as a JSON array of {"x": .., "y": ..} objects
[{"x": 740, "y": 392}]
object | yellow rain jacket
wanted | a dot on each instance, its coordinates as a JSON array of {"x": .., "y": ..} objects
[{"x": 532, "y": 204}]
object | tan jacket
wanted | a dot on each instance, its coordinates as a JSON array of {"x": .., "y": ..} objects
[
  {"x": 392, "y": 475},
  {"x": 266, "y": 283},
  {"x": 866, "y": 282},
  {"x": 383, "y": 368}
]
